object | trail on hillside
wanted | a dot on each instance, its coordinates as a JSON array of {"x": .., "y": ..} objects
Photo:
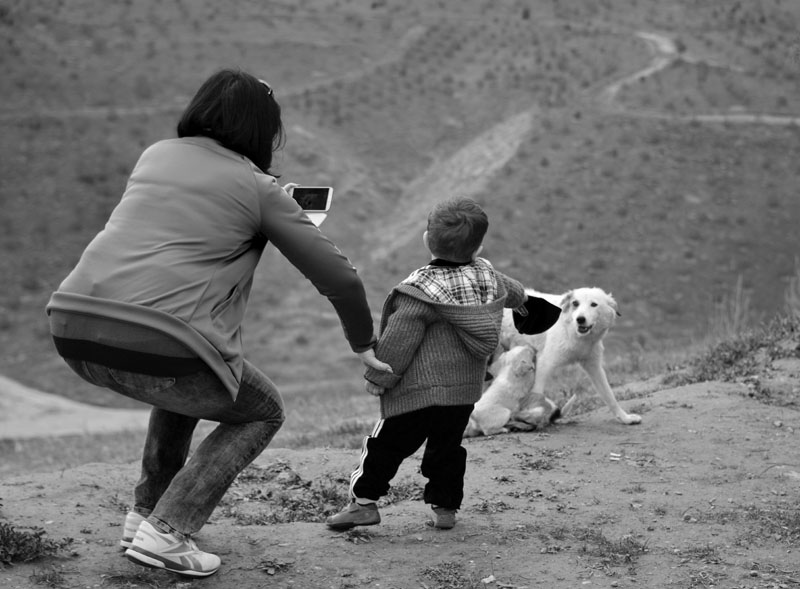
[
  {"x": 665, "y": 53},
  {"x": 664, "y": 49},
  {"x": 467, "y": 172}
]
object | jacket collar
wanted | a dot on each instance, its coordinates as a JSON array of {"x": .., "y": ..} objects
[{"x": 447, "y": 263}]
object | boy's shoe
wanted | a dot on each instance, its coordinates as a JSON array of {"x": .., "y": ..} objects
[
  {"x": 353, "y": 515},
  {"x": 132, "y": 521},
  {"x": 158, "y": 550},
  {"x": 444, "y": 518}
]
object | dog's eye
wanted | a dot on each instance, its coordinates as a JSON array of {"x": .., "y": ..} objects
[
  {"x": 575, "y": 303},
  {"x": 594, "y": 304}
]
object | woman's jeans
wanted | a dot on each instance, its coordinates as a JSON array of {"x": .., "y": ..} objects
[{"x": 179, "y": 494}]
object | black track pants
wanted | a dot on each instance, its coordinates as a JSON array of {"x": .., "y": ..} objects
[{"x": 396, "y": 438}]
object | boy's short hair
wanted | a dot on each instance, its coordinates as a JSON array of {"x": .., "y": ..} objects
[{"x": 456, "y": 228}]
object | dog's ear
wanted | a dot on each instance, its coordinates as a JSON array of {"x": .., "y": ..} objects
[
  {"x": 523, "y": 367},
  {"x": 497, "y": 364},
  {"x": 566, "y": 300},
  {"x": 613, "y": 304}
]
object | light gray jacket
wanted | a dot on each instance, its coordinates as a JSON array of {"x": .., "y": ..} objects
[{"x": 183, "y": 244}]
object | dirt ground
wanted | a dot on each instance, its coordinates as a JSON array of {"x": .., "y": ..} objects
[{"x": 704, "y": 493}]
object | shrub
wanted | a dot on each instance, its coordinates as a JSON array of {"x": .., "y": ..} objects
[{"x": 27, "y": 545}]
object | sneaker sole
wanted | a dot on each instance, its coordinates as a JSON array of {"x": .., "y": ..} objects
[
  {"x": 349, "y": 526},
  {"x": 433, "y": 524},
  {"x": 444, "y": 527},
  {"x": 148, "y": 559}
]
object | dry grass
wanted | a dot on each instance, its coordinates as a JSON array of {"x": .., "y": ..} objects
[{"x": 792, "y": 296}]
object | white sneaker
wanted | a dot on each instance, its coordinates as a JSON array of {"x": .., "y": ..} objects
[
  {"x": 132, "y": 521},
  {"x": 157, "y": 550}
]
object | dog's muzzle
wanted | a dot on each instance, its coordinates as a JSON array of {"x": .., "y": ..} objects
[{"x": 583, "y": 328}]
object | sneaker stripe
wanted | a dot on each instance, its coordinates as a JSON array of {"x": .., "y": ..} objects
[
  {"x": 132, "y": 521},
  {"x": 182, "y": 565},
  {"x": 188, "y": 565}
]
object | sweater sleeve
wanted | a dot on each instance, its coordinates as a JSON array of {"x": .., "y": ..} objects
[
  {"x": 516, "y": 292},
  {"x": 404, "y": 328},
  {"x": 284, "y": 223}
]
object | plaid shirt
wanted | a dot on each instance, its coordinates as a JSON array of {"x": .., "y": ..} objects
[{"x": 450, "y": 283}]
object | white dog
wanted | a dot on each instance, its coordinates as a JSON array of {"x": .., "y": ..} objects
[
  {"x": 576, "y": 338},
  {"x": 499, "y": 408}
]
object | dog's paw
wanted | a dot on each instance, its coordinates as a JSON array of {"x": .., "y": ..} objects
[
  {"x": 520, "y": 426},
  {"x": 630, "y": 418},
  {"x": 493, "y": 431}
]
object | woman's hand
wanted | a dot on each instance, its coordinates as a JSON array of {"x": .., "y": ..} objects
[
  {"x": 370, "y": 361},
  {"x": 290, "y": 186}
]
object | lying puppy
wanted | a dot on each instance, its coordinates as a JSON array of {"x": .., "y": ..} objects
[
  {"x": 499, "y": 408},
  {"x": 576, "y": 338}
]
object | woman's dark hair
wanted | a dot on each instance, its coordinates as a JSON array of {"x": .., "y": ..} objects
[{"x": 239, "y": 111}]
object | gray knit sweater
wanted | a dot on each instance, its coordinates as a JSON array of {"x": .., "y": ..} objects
[{"x": 438, "y": 352}]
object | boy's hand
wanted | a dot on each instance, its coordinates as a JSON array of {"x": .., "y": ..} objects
[
  {"x": 374, "y": 389},
  {"x": 369, "y": 360}
]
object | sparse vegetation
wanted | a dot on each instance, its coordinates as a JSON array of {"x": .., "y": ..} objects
[
  {"x": 278, "y": 494},
  {"x": 27, "y": 544},
  {"x": 792, "y": 297},
  {"x": 622, "y": 552},
  {"x": 731, "y": 315},
  {"x": 450, "y": 575},
  {"x": 748, "y": 353},
  {"x": 50, "y": 577},
  {"x": 141, "y": 577}
]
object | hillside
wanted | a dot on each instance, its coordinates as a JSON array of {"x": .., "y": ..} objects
[{"x": 609, "y": 142}]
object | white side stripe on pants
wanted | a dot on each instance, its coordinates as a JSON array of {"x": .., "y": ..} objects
[{"x": 360, "y": 470}]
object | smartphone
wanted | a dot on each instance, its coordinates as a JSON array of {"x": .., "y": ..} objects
[{"x": 313, "y": 199}]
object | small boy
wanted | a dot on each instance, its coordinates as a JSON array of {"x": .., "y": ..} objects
[{"x": 438, "y": 329}]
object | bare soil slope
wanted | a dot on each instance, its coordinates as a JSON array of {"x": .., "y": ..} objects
[{"x": 706, "y": 492}]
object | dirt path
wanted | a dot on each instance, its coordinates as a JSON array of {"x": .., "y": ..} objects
[
  {"x": 470, "y": 169},
  {"x": 28, "y": 413},
  {"x": 705, "y": 492},
  {"x": 468, "y": 172},
  {"x": 665, "y": 53}
]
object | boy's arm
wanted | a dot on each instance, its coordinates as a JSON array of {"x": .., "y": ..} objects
[
  {"x": 400, "y": 339},
  {"x": 516, "y": 292}
]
